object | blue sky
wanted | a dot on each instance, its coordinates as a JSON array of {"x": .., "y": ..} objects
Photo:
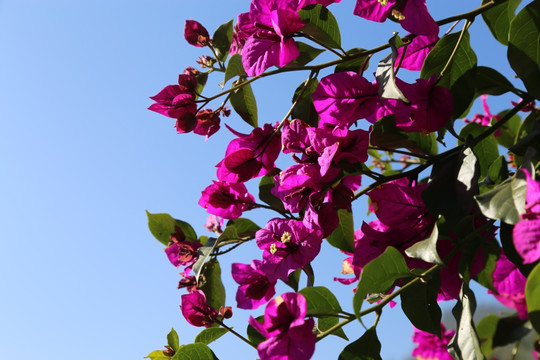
[{"x": 82, "y": 159}]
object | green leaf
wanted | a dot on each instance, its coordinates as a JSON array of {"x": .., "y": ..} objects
[
  {"x": 161, "y": 226},
  {"x": 355, "y": 64},
  {"x": 524, "y": 47},
  {"x": 379, "y": 275},
  {"x": 498, "y": 170},
  {"x": 197, "y": 351},
  {"x": 204, "y": 253},
  {"x": 491, "y": 252},
  {"x": 222, "y": 40},
  {"x": 304, "y": 109},
  {"x": 308, "y": 53},
  {"x": 486, "y": 329},
  {"x": 457, "y": 75},
  {"x": 343, "y": 237},
  {"x": 506, "y": 201},
  {"x": 239, "y": 229},
  {"x": 201, "y": 77},
  {"x": 321, "y": 301},
  {"x": 187, "y": 229},
  {"x": 386, "y": 135},
  {"x": 486, "y": 150},
  {"x": 321, "y": 24},
  {"x": 465, "y": 344},
  {"x": 253, "y": 335},
  {"x": 426, "y": 249},
  {"x": 244, "y": 103},
  {"x": 498, "y": 19},
  {"x": 172, "y": 340},
  {"x": 510, "y": 330},
  {"x": 157, "y": 355},
  {"x": 419, "y": 303},
  {"x": 209, "y": 335},
  {"x": 234, "y": 68},
  {"x": 294, "y": 279},
  {"x": 212, "y": 286},
  {"x": 385, "y": 75},
  {"x": 367, "y": 347},
  {"x": 532, "y": 297},
  {"x": 491, "y": 82}
]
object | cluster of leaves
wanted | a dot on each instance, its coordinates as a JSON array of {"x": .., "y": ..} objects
[{"x": 469, "y": 181}]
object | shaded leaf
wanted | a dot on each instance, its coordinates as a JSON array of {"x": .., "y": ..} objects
[
  {"x": 321, "y": 24},
  {"x": 320, "y": 302},
  {"x": 304, "y": 109},
  {"x": 491, "y": 252},
  {"x": 253, "y": 335},
  {"x": 524, "y": 47},
  {"x": 234, "y": 68},
  {"x": 187, "y": 229},
  {"x": 202, "y": 77},
  {"x": 355, "y": 64},
  {"x": 486, "y": 150},
  {"x": 379, "y": 275},
  {"x": 367, "y": 347},
  {"x": 498, "y": 18},
  {"x": 308, "y": 53},
  {"x": 343, "y": 236},
  {"x": 209, "y": 335},
  {"x": 244, "y": 103},
  {"x": 239, "y": 229},
  {"x": 532, "y": 297},
  {"x": 491, "y": 82},
  {"x": 486, "y": 329},
  {"x": 212, "y": 286},
  {"x": 222, "y": 40},
  {"x": 509, "y": 330},
  {"x": 419, "y": 303}
]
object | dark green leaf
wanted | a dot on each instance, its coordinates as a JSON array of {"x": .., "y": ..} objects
[
  {"x": 419, "y": 303},
  {"x": 253, "y": 335},
  {"x": 321, "y": 25},
  {"x": 161, "y": 226},
  {"x": 157, "y": 355},
  {"x": 386, "y": 135},
  {"x": 379, "y": 275},
  {"x": 244, "y": 103},
  {"x": 212, "y": 286},
  {"x": 234, "y": 68},
  {"x": 343, "y": 237},
  {"x": 204, "y": 253},
  {"x": 308, "y": 53},
  {"x": 172, "y": 340},
  {"x": 532, "y": 296},
  {"x": 458, "y": 74},
  {"x": 304, "y": 109},
  {"x": 188, "y": 231},
  {"x": 202, "y": 77},
  {"x": 294, "y": 279},
  {"x": 355, "y": 65},
  {"x": 426, "y": 249},
  {"x": 239, "y": 229},
  {"x": 524, "y": 47},
  {"x": 506, "y": 201},
  {"x": 197, "y": 351},
  {"x": 528, "y": 135},
  {"x": 498, "y": 170},
  {"x": 486, "y": 150},
  {"x": 491, "y": 82},
  {"x": 491, "y": 252},
  {"x": 465, "y": 344},
  {"x": 321, "y": 302},
  {"x": 209, "y": 335},
  {"x": 222, "y": 40},
  {"x": 509, "y": 330},
  {"x": 367, "y": 347},
  {"x": 498, "y": 18}
]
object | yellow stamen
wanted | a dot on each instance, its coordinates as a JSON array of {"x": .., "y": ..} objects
[
  {"x": 286, "y": 237},
  {"x": 273, "y": 249}
]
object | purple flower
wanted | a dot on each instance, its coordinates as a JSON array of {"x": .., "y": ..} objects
[
  {"x": 214, "y": 224},
  {"x": 485, "y": 119},
  {"x": 174, "y": 102},
  {"x": 430, "y": 346},
  {"x": 255, "y": 287},
  {"x": 251, "y": 155},
  {"x": 288, "y": 335},
  {"x": 196, "y": 311},
  {"x": 510, "y": 285},
  {"x": 183, "y": 253},
  {"x": 343, "y": 98},
  {"x": 207, "y": 122},
  {"x": 526, "y": 232},
  {"x": 295, "y": 184},
  {"x": 416, "y": 52},
  {"x": 288, "y": 245},
  {"x": 227, "y": 200},
  {"x": 196, "y": 34}
]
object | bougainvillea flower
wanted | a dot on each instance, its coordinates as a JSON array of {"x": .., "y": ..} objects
[
  {"x": 196, "y": 34},
  {"x": 431, "y": 347},
  {"x": 196, "y": 311},
  {"x": 343, "y": 98},
  {"x": 526, "y": 233},
  {"x": 288, "y": 245},
  {"x": 412, "y": 14},
  {"x": 295, "y": 184},
  {"x": 416, "y": 52},
  {"x": 214, "y": 224},
  {"x": 289, "y": 336},
  {"x": 255, "y": 287},
  {"x": 173, "y": 102},
  {"x": 483, "y": 119},
  {"x": 251, "y": 155},
  {"x": 294, "y": 137},
  {"x": 510, "y": 285},
  {"x": 227, "y": 200},
  {"x": 207, "y": 122},
  {"x": 183, "y": 253},
  {"x": 189, "y": 283}
]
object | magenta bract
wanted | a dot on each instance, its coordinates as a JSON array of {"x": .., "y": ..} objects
[
  {"x": 227, "y": 200},
  {"x": 183, "y": 253},
  {"x": 288, "y": 335},
  {"x": 413, "y": 55},
  {"x": 431, "y": 346},
  {"x": 196, "y": 34},
  {"x": 196, "y": 311},
  {"x": 526, "y": 233},
  {"x": 255, "y": 287},
  {"x": 510, "y": 285}
]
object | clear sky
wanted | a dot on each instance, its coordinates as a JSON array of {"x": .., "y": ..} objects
[{"x": 81, "y": 160}]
